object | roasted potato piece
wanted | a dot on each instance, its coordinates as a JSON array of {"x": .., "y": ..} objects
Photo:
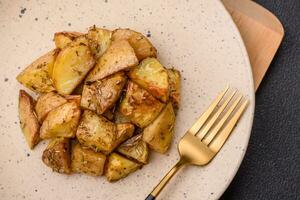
[
  {"x": 57, "y": 155},
  {"x": 62, "y": 39},
  {"x": 73, "y": 98},
  {"x": 47, "y": 102},
  {"x": 174, "y": 82},
  {"x": 141, "y": 45},
  {"x": 135, "y": 148},
  {"x": 71, "y": 66},
  {"x": 160, "y": 132},
  {"x": 153, "y": 77},
  {"x": 102, "y": 95},
  {"x": 61, "y": 121},
  {"x": 28, "y": 121},
  {"x": 36, "y": 76},
  {"x": 96, "y": 132},
  {"x": 87, "y": 161},
  {"x": 124, "y": 132},
  {"x": 119, "y": 118},
  {"x": 119, "y": 56},
  {"x": 99, "y": 40},
  {"x": 119, "y": 167},
  {"x": 140, "y": 106},
  {"x": 109, "y": 115}
]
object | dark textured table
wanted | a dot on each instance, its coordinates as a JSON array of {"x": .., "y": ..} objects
[{"x": 271, "y": 168}]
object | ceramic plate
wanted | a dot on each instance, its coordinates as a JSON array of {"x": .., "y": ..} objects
[{"x": 198, "y": 37}]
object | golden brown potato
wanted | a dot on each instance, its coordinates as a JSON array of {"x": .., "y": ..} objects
[
  {"x": 135, "y": 148},
  {"x": 28, "y": 121},
  {"x": 140, "y": 106},
  {"x": 141, "y": 45},
  {"x": 119, "y": 167},
  {"x": 57, "y": 155},
  {"x": 96, "y": 132},
  {"x": 71, "y": 66},
  {"x": 119, "y": 56},
  {"x": 36, "y": 76},
  {"x": 124, "y": 132},
  {"x": 61, "y": 121},
  {"x": 47, "y": 102},
  {"x": 99, "y": 40},
  {"x": 62, "y": 39},
  {"x": 160, "y": 132},
  {"x": 174, "y": 82},
  {"x": 109, "y": 115},
  {"x": 153, "y": 77},
  {"x": 73, "y": 98},
  {"x": 102, "y": 95},
  {"x": 87, "y": 161},
  {"x": 119, "y": 118}
]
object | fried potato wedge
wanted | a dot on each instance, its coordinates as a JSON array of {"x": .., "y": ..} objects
[
  {"x": 28, "y": 120},
  {"x": 135, "y": 148},
  {"x": 140, "y": 106},
  {"x": 153, "y": 77},
  {"x": 102, "y": 95},
  {"x": 96, "y": 132},
  {"x": 87, "y": 161},
  {"x": 71, "y": 66},
  {"x": 47, "y": 102},
  {"x": 119, "y": 118},
  {"x": 118, "y": 57},
  {"x": 62, "y": 39},
  {"x": 174, "y": 82},
  {"x": 73, "y": 98},
  {"x": 119, "y": 167},
  {"x": 99, "y": 40},
  {"x": 36, "y": 76},
  {"x": 159, "y": 133},
  {"x": 57, "y": 155},
  {"x": 61, "y": 121},
  {"x": 141, "y": 45},
  {"x": 124, "y": 132}
]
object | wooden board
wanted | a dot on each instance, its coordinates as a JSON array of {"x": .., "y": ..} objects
[{"x": 261, "y": 31}]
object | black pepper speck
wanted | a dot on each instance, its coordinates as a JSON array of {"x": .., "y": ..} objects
[
  {"x": 28, "y": 154},
  {"x": 6, "y": 79},
  {"x": 105, "y": 1},
  {"x": 35, "y": 190},
  {"x": 69, "y": 24},
  {"x": 23, "y": 10},
  {"x": 36, "y": 19}
]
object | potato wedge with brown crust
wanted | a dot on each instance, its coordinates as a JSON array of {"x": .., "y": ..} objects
[
  {"x": 87, "y": 161},
  {"x": 153, "y": 77},
  {"x": 141, "y": 45},
  {"x": 96, "y": 132},
  {"x": 36, "y": 76},
  {"x": 62, "y": 39},
  {"x": 159, "y": 133},
  {"x": 119, "y": 167},
  {"x": 71, "y": 66},
  {"x": 135, "y": 148},
  {"x": 73, "y": 98},
  {"x": 99, "y": 40},
  {"x": 47, "y": 102},
  {"x": 118, "y": 57},
  {"x": 28, "y": 120},
  {"x": 174, "y": 82},
  {"x": 57, "y": 155},
  {"x": 124, "y": 132},
  {"x": 140, "y": 106},
  {"x": 61, "y": 121},
  {"x": 102, "y": 95}
]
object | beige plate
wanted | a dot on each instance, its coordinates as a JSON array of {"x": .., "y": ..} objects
[{"x": 198, "y": 37}]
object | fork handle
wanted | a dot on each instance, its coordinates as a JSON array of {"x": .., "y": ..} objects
[{"x": 166, "y": 179}]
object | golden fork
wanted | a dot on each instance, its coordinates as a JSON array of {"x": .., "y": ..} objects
[{"x": 206, "y": 137}]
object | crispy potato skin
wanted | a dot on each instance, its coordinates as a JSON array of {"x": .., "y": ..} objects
[
  {"x": 140, "y": 106},
  {"x": 71, "y": 66},
  {"x": 36, "y": 76},
  {"x": 28, "y": 121},
  {"x": 73, "y": 98},
  {"x": 96, "y": 132},
  {"x": 118, "y": 57},
  {"x": 61, "y": 121},
  {"x": 62, "y": 39},
  {"x": 87, "y": 161},
  {"x": 124, "y": 132},
  {"x": 102, "y": 95},
  {"x": 135, "y": 148},
  {"x": 159, "y": 133},
  {"x": 175, "y": 83},
  {"x": 47, "y": 102},
  {"x": 141, "y": 45},
  {"x": 99, "y": 40},
  {"x": 153, "y": 77},
  {"x": 57, "y": 155},
  {"x": 119, "y": 167}
]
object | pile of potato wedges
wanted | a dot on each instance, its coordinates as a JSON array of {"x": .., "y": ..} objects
[{"x": 103, "y": 101}]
